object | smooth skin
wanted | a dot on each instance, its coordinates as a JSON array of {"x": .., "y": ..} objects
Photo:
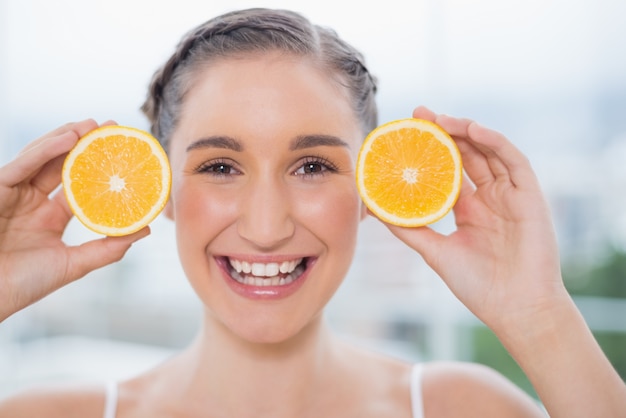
[{"x": 265, "y": 199}]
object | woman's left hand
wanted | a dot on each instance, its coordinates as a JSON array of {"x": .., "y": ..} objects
[{"x": 502, "y": 260}]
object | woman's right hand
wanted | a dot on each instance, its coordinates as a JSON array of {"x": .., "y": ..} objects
[{"x": 34, "y": 260}]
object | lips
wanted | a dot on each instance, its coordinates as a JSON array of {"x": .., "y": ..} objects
[{"x": 254, "y": 279}]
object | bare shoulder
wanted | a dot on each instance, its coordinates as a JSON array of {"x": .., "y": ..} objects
[
  {"x": 66, "y": 401},
  {"x": 466, "y": 389}
]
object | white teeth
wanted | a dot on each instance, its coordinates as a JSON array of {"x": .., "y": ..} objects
[
  {"x": 271, "y": 269},
  {"x": 242, "y": 277},
  {"x": 258, "y": 269},
  {"x": 289, "y": 266},
  {"x": 262, "y": 269},
  {"x": 265, "y": 270}
]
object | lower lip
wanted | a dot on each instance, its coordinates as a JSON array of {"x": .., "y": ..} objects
[{"x": 263, "y": 292}]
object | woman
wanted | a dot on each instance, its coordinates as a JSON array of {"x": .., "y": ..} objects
[{"x": 262, "y": 115}]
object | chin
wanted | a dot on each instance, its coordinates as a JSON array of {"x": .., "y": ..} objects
[{"x": 269, "y": 330}]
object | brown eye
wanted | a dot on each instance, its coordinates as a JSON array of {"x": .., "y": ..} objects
[
  {"x": 314, "y": 166},
  {"x": 218, "y": 168},
  {"x": 311, "y": 168}
]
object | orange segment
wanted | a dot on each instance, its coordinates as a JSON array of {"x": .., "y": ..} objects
[
  {"x": 116, "y": 179},
  {"x": 409, "y": 172}
]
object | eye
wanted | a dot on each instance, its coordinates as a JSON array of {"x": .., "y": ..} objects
[
  {"x": 218, "y": 168},
  {"x": 315, "y": 166}
]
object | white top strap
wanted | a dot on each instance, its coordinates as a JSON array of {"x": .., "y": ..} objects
[
  {"x": 417, "y": 403},
  {"x": 110, "y": 405},
  {"x": 417, "y": 406}
]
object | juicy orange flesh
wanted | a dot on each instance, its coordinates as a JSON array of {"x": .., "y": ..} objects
[
  {"x": 116, "y": 180},
  {"x": 408, "y": 163}
]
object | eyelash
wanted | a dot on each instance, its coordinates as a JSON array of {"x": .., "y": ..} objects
[
  {"x": 221, "y": 165},
  {"x": 224, "y": 168},
  {"x": 326, "y": 167}
]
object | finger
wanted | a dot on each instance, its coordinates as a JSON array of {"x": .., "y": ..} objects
[
  {"x": 29, "y": 163},
  {"x": 475, "y": 163},
  {"x": 464, "y": 210},
  {"x": 505, "y": 153},
  {"x": 504, "y": 160},
  {"x": 467, "y": 187},
  {"x": 80, "y": 128},
  {"x": 36, "y": 154},
  {"x": 424, "y": 240},
  {"x": 101, "y": 252},
  {"x": 49, "y": 177},
  {"x": 60, "y": 199},
  {"x": 498, "y": 169},
  {"x": 422, "y": 112}
]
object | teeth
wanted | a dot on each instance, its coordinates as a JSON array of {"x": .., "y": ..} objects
[
  {"x": 271, "y": 269},
  {"x": 294, "y": 268},
  {"x": 258, "y": 269},
  {"x": 264, "y": 270},
  {"x": 288, "y": 266}
]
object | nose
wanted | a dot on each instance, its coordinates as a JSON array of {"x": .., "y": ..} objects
[{"x": 266, "y": 219}]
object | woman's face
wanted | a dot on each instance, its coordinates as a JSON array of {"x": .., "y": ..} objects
[{"x": 263, "y": 193}]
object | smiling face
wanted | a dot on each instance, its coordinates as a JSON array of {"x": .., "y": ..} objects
[{"x": 263, "y": 192}]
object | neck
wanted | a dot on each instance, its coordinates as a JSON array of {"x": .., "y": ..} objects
[{"x": 242, "y": 378}]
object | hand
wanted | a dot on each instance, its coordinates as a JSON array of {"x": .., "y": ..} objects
[
  {"x": 502, "y": 260},
  {"x": 34, "y": 261}
]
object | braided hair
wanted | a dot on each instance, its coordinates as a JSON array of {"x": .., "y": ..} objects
[{"x": 255, "y": 30}]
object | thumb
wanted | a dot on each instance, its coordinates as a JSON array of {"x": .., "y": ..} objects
[
  {"x": 424, "y": 240},
  {"x": 92, "y": 255}
]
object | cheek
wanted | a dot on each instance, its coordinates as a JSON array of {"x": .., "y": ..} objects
[
  {"x": 333, "y": 213},
  {"x": 199, "y": 213}
]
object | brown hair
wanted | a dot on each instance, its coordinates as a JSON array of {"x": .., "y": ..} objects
[{"x": 256, "y": 30}]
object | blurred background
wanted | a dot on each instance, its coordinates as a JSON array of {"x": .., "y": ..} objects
[{"x": 548, "y": 73}]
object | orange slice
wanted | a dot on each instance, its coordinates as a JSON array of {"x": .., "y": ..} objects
[
  {"x": 116, "y": 179},
  {"x": 409, "y": 172}
]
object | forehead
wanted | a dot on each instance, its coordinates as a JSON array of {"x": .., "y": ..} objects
[{"x": 267, "y": 95}]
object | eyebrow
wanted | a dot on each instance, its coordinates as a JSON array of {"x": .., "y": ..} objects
[
  {"x": 310, "y": 141},
  {"x": 298, "y": 143},
  {"x": 225, "y": 142}
]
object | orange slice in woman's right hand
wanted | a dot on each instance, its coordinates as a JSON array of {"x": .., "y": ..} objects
[
  {"x": 409, "y": 172},
  {"x": 116, "y": 179}
]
